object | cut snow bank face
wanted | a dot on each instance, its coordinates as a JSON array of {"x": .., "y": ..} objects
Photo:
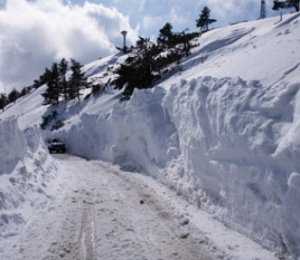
[
  {"x": 291, "y": 213},
  {"x": 136, "y": 135},
  {"x": 12, "y": 148},
  {"x": 224, "y": 144},
  {"x": 231, "y": 138},
  {"x": 25, "y": 170}
]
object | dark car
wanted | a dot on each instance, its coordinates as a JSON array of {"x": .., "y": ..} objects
[{"x": 56, "y": 146}]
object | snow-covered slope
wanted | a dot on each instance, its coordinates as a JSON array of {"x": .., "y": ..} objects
[{"x": 224, "y": 131}]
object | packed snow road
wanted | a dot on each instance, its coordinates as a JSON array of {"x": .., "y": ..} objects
[
  {"x": 96, "y": 211},
  {"x": 102, "y": 214}
]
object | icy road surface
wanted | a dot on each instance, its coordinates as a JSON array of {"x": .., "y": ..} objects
[{"x": 100, "y": 212}]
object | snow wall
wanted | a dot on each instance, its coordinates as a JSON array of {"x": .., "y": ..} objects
[
  {"x": 232, "y": 147},
  {"x": 25, "y": 170}
]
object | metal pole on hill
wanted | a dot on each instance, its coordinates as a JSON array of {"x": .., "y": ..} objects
[
  {"x": 124, "y": 33},
  {"x": 263, "y": 9}
]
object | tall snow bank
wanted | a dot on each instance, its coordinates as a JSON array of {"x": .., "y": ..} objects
[
  {"x": 240, "y": 149},
  {"x": 132, "y": 134},
  {"x": 228, "y": 145},
  {"x": 12, "y": 148},
  {"x": 25, "y": 170}
]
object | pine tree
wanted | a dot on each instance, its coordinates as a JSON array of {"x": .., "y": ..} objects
[
  {"x": 58, "y": 85},
  {"x": 77, "y": 81},
  {"x": 24, "y": 92},
  {"x": 166, "y": 35},
  {"x": 63, "y": 67},
  {"x": 279, "y": 5},
  {"x": 204, "y": 20},
  {"x": 142, "y": 43},
  {"x": 53, "y": 87},
  {"x": 3, "y": 101},
  {"x": 42, "y": 80},
  {"x": 295, "y": 4},
  {"x": 144, "y": 66},
  {"x": 13, "y": 96},
  {"x": 48, "y": 93},
  {"x": 136, "y": 72},
  {"x": 55, "y": 83}
]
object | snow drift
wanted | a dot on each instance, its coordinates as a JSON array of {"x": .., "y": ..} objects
[{"x": 25, "y": 170}]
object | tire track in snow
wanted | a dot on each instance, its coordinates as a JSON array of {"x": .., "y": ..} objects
[
  {"x": 155, "y": 229},
  {"x": 87, "y": 236}
]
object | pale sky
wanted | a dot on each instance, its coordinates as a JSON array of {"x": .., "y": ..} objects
[
  {"x": 34, "y": 33},
  {"x": 149, "y": 15}
]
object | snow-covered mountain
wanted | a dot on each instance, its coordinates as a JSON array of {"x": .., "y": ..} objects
[{"x": 224, "y": 131}]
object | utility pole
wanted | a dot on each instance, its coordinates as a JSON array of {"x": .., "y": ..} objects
[
  {"x": 263, "y": 9},
  {"x": 124, "y": 33}
]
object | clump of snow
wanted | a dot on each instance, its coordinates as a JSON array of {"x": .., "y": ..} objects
[{"x": 25, "y": 171}]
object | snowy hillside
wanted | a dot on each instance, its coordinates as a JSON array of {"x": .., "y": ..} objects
[{"x": 224, "y": 131}]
